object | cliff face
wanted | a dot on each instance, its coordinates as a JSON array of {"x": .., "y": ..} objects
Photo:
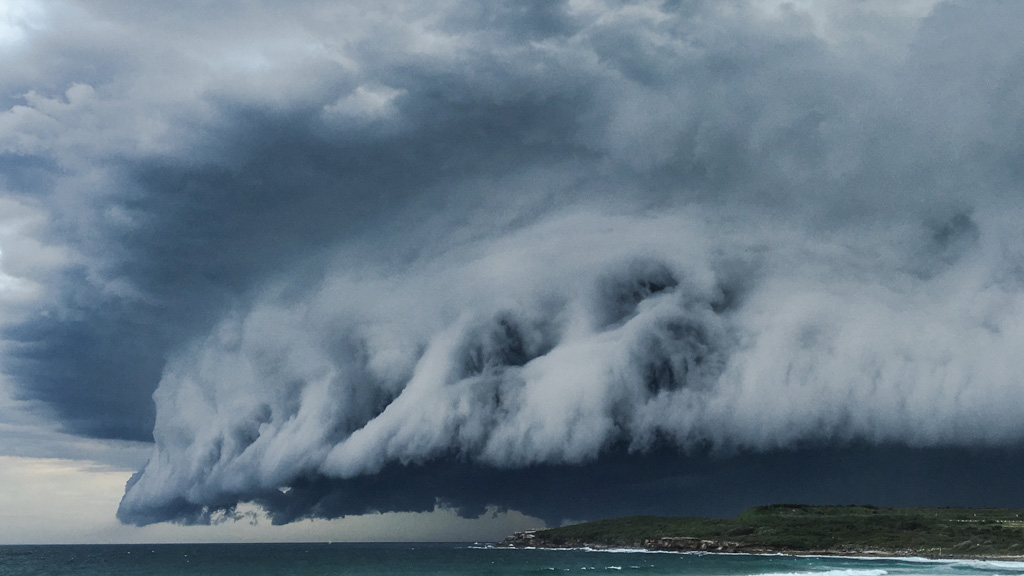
[
  {"x": 524, "y": 539},
  {"x": 687, "y": 544},
  {"x": 538, "y": 539}
]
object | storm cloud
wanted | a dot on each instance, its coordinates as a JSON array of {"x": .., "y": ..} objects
[{"x": 334, "y": 259}]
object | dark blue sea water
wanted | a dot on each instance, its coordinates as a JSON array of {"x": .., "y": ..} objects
[{"x": 446, "y": 559}]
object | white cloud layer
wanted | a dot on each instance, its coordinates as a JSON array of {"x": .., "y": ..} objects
[{"x": 552, "y": 344}]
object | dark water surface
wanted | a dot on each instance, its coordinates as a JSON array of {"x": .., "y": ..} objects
[{"x": 444, "y": 559}]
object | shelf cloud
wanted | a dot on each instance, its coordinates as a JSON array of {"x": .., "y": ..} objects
[{"x": 335, "y": 259}]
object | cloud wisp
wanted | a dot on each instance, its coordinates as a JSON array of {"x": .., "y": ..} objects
[{"x": 361, "y": 255}]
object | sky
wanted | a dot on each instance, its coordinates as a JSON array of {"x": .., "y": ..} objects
[{"x": 441, "y": 271}]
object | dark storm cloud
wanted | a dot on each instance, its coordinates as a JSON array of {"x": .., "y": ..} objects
[
  {"x": 659, "y": 482},
  {"x": 385, "y": 254},
  {"x": 258, "y": 189}
]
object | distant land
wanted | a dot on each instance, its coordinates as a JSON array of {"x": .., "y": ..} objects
[{"x": 805, "y": 530}]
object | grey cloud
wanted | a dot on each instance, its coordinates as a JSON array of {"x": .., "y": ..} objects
[
  {"x": 342, "y": 245},
  {"x": 659, "y": 482},
  {"x": 606, "y": 352}
]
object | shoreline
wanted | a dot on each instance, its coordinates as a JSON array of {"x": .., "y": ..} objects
[
  {"x": 863, "y": 555},
  {"x": 525, "y": 541}
]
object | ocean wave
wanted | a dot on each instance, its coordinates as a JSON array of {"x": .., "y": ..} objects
[
  {"x": 836, "y": 572},
  {"x": 1015, "y": 566},
  {"x": 606, "y": 550}
]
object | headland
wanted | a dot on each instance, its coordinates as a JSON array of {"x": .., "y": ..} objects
[{"x": 799, "y": 529}]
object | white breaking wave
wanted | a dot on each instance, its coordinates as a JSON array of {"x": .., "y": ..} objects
[
  {"x": 994, "y": 565},
  {"x": 847, "y": 572}
]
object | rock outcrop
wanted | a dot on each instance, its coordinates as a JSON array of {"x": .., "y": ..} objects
[{"x": 536, "y": 539}]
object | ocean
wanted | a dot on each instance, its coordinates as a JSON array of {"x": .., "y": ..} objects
[{"x": 448, "y": 559}]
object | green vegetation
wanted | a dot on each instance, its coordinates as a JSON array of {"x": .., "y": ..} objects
[{"x": 797, "y": 528}]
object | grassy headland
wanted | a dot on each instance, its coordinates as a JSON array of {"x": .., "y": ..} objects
[{"x": 802, "y": 529}]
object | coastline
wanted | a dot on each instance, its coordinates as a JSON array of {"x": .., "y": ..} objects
[
  {"x": 528, "y": 540},
  {"x": 853, "y": 531}
]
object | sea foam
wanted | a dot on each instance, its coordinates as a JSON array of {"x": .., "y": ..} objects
[{"x": 837, "y": 572}]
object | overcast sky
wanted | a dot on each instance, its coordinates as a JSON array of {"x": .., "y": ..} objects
[{"x": 407, "y": 270}]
